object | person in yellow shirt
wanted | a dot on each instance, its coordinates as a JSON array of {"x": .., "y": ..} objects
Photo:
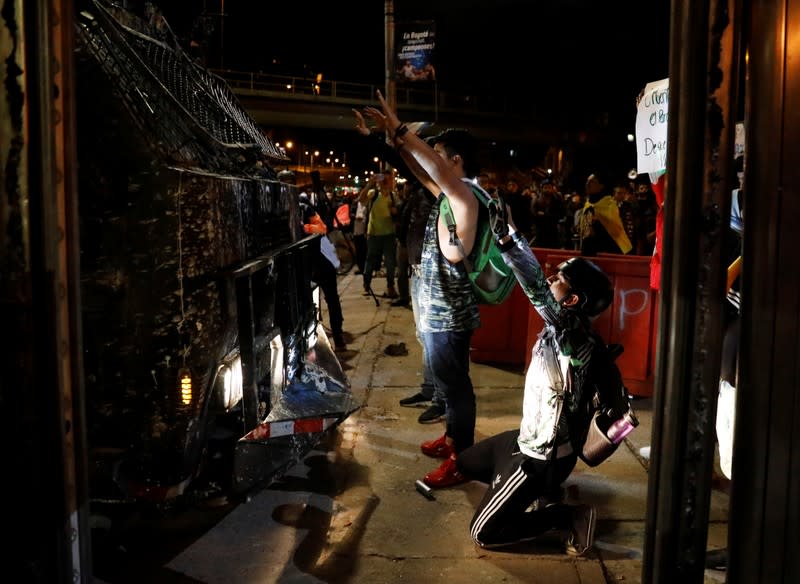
[{"x": 379, "y": 197}]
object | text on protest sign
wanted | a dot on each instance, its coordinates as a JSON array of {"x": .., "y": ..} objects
[{"x": 651, "y": 128}]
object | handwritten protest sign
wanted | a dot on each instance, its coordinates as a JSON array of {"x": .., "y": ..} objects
[{"x": 651, "y": 128}]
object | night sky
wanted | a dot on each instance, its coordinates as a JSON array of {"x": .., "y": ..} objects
[
  {"x": 563, "y": 48},
  {"x": 595, "y": 55}
]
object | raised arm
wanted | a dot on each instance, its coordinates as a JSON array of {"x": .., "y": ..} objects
[
  {"x": 441, "y": 174},
  {"x": 435, "y": 166},
  {"x": 377, "y": 141},
  {"x": 419, "y": 172},
  {"x": 363, "y": 194}
]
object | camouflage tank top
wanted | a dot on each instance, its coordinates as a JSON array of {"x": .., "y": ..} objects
[{"x": 446, "y": 300}]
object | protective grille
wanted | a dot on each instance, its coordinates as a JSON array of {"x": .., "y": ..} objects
[{"x": 188, "y": 114}]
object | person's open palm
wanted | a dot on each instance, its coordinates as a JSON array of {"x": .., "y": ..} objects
[
  {"x": 390, "y": 117},
  {"x": 361, "y": 125},
  {"x": 377, "y": 117}
]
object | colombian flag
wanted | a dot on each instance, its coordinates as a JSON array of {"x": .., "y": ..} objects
[{"x": 607, "y": 212}]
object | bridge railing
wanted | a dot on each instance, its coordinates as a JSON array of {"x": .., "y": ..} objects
[
  {"x": 290, "y": 86},
  {"x": 416, "y": 96}
]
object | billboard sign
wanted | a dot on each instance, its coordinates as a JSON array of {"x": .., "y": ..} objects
[{"x": 415, "y": 43}]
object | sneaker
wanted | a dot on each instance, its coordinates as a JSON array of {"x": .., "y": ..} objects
[
  {"x": 338, "y": 343},
  {"x": 413, "y": 400},
  {"x": 447, "y": 475},
  {"x": 581, "y": 539},
  {"x": 432, "y": 414},
  {"x": 390, "y": 293},
  {"x": 400, "y": 302},
  {"x": 438, "y": 448},
  {"x": 717, "y": 559}
]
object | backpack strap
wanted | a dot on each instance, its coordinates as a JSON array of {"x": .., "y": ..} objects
[
  {"x": 484, "y": 199},
  {"x": 447, "y": 212}
]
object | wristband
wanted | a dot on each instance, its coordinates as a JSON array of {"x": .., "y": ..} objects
[{"x": 400, "y": 131}]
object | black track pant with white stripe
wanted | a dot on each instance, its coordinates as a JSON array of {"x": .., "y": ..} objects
[{"x": 515, "y": 482}]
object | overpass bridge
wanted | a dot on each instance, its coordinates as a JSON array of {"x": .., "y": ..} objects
[
  {"x": 513, "y": 132},
  {"x": 297, "y": 102}
]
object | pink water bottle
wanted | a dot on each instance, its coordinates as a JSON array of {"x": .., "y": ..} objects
[{"x": 622, "y": 427}]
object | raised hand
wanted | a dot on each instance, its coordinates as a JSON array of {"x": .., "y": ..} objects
[
  {"x": 377, "y": 117},
  {"x": 361, "y": 125},
  {"x": 390, "y": 117},
  {"x": 498, "y": 219}
]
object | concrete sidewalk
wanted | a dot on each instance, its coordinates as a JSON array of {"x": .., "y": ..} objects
[{"x": 351, "y": 512}]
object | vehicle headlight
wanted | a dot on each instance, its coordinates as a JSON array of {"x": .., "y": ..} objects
[{"x": 231, "y": 390}]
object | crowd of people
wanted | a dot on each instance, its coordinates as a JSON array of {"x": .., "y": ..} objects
[{"x": 609, "y": 215}]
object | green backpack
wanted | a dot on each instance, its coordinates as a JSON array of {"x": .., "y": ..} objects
[{"x": 492, "y": 280}]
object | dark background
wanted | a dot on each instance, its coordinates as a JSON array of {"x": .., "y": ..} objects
[
  {"x": 580, "y": 50},
  {"x": 581, "y": 62}
]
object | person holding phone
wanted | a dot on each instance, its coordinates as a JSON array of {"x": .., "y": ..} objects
[{"x": 379, "y": 197}]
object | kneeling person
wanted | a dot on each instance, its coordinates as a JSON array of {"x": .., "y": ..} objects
[{"x": 525, "y": 468}]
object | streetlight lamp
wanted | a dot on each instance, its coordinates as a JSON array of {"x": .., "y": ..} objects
[{"x": 287, "y": 150}]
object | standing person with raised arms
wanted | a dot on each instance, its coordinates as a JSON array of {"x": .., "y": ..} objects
[
  {"x": 411, "y": 229},
  {"x": 448, "y": 307}
]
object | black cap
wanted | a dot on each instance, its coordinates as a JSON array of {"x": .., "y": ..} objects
[{"x": 589, "y": 283}]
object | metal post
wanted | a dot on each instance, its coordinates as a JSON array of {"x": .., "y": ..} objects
[
  {"x": 222, "y": 34},
  {"x": 700, "y": 153},
  {"x": 390, "y": 89}
]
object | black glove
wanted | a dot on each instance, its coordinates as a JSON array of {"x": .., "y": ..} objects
[{"x": 498, "y": 218}]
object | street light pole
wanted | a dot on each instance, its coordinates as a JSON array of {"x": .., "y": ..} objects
[
  {"x": 391, "y": 93},
  {"x": 390, "y": 89},
  {"x": 222, "y": 34}
]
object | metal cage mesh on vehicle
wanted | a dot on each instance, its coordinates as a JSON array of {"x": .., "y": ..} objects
[{"x": 186, "y": 113}]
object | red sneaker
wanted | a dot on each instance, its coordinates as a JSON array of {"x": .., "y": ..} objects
[
  {"x": 446, "y": 475},
  {"x": 438, "y": 448}
]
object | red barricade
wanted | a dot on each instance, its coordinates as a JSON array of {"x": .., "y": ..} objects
[{"x": 503, "y": 336}]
